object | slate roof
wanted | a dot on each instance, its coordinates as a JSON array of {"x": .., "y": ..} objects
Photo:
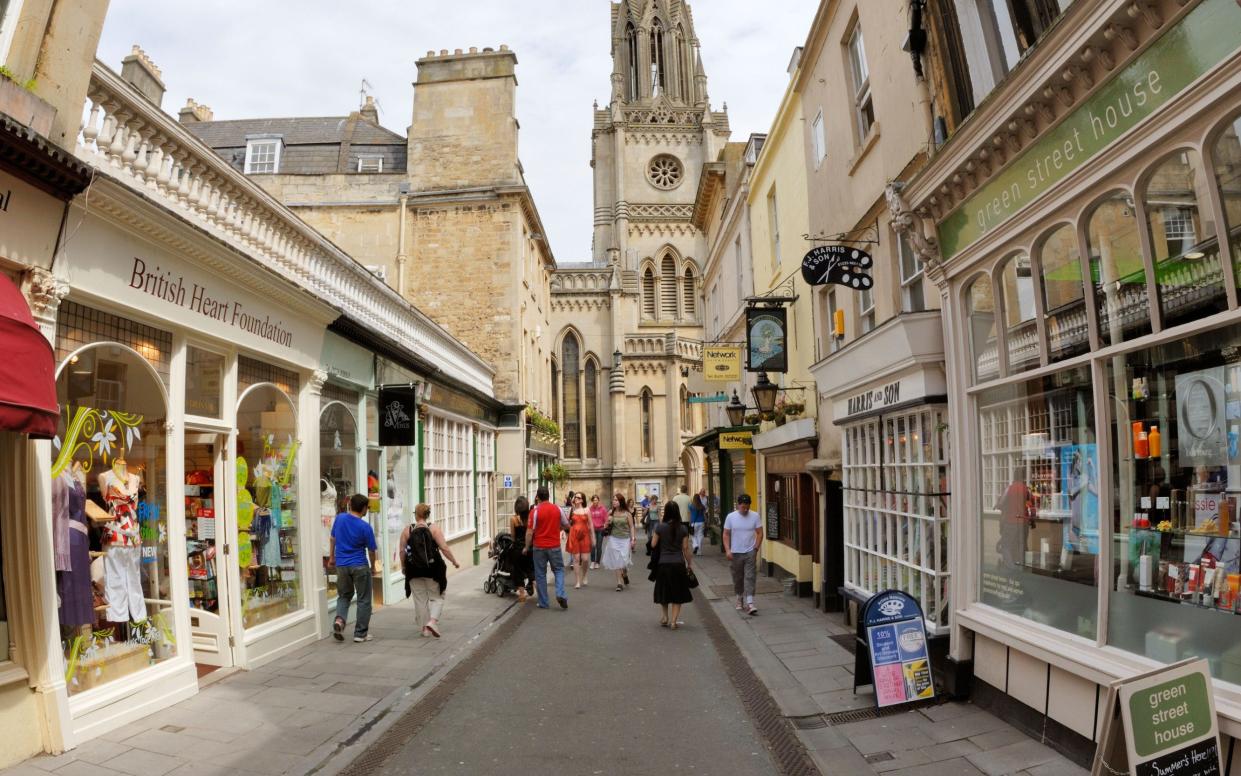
[{"x": 326, "y": 130}]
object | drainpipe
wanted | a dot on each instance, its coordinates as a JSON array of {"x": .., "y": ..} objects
[{"x": 400, "y": 251}]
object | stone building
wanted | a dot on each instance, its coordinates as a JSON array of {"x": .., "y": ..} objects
[
  {"x": 628, "y": 325},
  {"x": 443, "y": 214}
]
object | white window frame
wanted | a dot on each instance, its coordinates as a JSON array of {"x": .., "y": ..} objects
[
  {"x": 905, "y": 250},
  {"x": 8, "y": 28},
  {"x": 450, "y": 467},
  {"x": 818, "y": 139},
  {"x": 832, "y": 307},
  {"x": 252, "y": 144},
  {"x": 866, "y": 310},
  {"x": 371, "y": 158},
  {"x": 860, "y": 74}
]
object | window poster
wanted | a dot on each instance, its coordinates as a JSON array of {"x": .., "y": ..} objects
[{"x": 1079, "y": 471}]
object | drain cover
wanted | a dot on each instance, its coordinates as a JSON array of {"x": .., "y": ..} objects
[
  {"x": 809, "y": 722},
  {"x": 879, "y": 757},
  {"x": 848, "y": 641}
]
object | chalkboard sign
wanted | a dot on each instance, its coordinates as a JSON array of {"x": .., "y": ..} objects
[
  {"x": 892, "y": 653},
  {"x": 773, "y": 521}
]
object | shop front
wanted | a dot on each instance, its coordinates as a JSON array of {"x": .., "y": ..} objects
[
  {"x": 789, "y": 502},
  {"x": 183, "y": 477},
  {"x": 895, "y": 462},
  {"x": 1094, "y": 359}
]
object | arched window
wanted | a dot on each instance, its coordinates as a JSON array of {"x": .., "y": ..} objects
[
  {"x": 1117, "y": 269},
  {"x": 659, "y": 70},
  {"x": 1188, "y": 275},
  {"x": 590, "y": 392},
  {"x": 555, "y": 392},
  {"x": 1226, "y": 161},
  {"x": 668, "y": 289},
  {"x": 631, "y": 65},
  {"x": 981, "y": 323},
  {"x": 689, "y": 294},
  {"x": 648, "y": 440},
  {"x": 687, "y": 418},
  {"x": 648, "y": 294},
  {"x": 684, "y": 68},
  {"x": 569, "y": 358},
  {"x": 1020, "y": 330},
  {"x": 1064, "y": 297}
]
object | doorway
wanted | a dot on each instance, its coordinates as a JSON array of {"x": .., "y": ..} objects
[{"x": 207, "y": 528}]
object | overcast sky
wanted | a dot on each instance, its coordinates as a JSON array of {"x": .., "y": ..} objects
[{"x": 277, "y": 58}]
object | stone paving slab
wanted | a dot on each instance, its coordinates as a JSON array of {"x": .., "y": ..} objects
[
  {"x": 789, "y": 645},
  {"x": 292, "y": 715}
]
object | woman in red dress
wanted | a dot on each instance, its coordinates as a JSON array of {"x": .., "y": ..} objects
[{"x": 581, "y": 539}]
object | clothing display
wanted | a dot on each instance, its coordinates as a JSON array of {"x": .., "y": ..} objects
[
  {"x": 121, "y": 498},
  {"x": 327, "y": 513},
  {"x": 73, "y": 577},
  {"x": 123, "y": 584}
]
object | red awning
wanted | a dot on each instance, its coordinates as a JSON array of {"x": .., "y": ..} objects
[{"x": 28, "y": 387}]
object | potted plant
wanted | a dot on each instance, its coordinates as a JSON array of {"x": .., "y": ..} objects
[
  {"x": 555, "y": 473},
  {"x": 544, "y": 427}
]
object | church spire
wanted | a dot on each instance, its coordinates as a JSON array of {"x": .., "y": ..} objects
[{"x": 655, "y": 54}]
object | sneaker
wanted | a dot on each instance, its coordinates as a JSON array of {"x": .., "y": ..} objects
[
  {"x": 338, "y": 629},
  {"x": 626, "y": 577},
  {"x": 739, "y": 605},
  {"x": 543, "y": 606},
  {"x": 564, "y": 602},
  {"x": 434, "y": 631},
  {"x": 751, "y": 610},
  {"x": 362, "y": 639}
]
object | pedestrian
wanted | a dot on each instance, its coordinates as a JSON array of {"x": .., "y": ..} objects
[
  {"x": 650, "y": 520},
  {"x": 743, "y": 535},
  {"x": 618, "y": 551},
  {"x": 565, "y": 512},
  {"x": 581, "y": 542},
  {"x": 672, "y": 566},
  {"x": 426, "y": 575},
  {"x": 698, "y": 520},
  {"x": 683, "y": 503},
  {"x": 543, "y": 543},
  {"x": 520, "y": 561},
  {"x": 352, "y": 549},
  {"x": 598, "y": 521}
]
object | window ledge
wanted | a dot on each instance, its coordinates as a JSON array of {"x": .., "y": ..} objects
[
  {"x": 12, "y": 673},
  {"x": 868, "y": 143}
]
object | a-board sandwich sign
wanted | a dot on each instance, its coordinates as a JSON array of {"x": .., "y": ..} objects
[
  {"x": 899, "y": 664},
  {"x": 1167, "y": 721}
]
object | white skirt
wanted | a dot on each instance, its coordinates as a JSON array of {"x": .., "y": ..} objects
[{"x": 616, "y": 553}]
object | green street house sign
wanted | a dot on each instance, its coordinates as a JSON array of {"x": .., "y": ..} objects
[{"x": 1203, "y": 38}]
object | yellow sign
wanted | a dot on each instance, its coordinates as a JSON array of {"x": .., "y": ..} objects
[
  {"x": 721, "y": 363},
  {"x": 736, "y": 440}
]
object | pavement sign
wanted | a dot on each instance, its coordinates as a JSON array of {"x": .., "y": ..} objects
[{"x": 892, "y": 650}]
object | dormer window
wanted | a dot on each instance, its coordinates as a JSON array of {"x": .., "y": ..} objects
[
  {"x": 371, "y": 163},
  {"x": 262, "y": 155}
]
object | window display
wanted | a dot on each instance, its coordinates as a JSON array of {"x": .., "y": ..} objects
[
  {"x": 1176, "y": 544},
  {"x": 201, "y": 526},
  {"x": 400, "y": 506},
  {"x": 267, "y": 510},
  {"x": 338, "y": 460},
  {"x": 1040, "y": 500},
  {"x": 110, "y": 530}
]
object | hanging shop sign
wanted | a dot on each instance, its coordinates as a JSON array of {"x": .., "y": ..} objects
[
  {"x": 721, "y": 363},
  {"x": 765, "y": 330},
  {"x": 713, "y": 398},
  {"x": 1161, "y": 722},
  {"x": 736, "y": 440},
  {"x": 840, "y": 265},
  {"x": 892, "y": 655},
  {"x": 1161, "y": 73},
  {"x": 398, "y": 407}
]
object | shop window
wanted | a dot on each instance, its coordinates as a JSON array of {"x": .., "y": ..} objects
[
  {"x": 1020, "y": 329},
  {"x": 570, "y": 355},
  {"x": 204, "y": 383},
  {"x": 489, "y": 520},
  {"x": 912, "y": 297},
  {"x": 980, "y": 319},
  {"x": 267, "y": 510},
  {"x": 109, "y": 496},
  {"x": 648, "y": 440},
  {"x": 1177, "y": 551},
  {"x": 399, "y": 502},
  {"x": 590, "y": 392},
  {"x": 866, "y": 310},
  {"x": 450, "y": 467},
  {"x": 1040, "y": 500},
  {"x": 1117, "y": 271},
  {"x": 1185, "y": 250},
  {"x": 1226, "y": 162},
  {"x": 338, "y": 461},
  {"x": 1064, "y": 297},
  {"x": 78, "y": 326}
]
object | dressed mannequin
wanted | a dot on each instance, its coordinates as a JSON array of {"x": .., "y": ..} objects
[
  {"x": 122, "y": 544},
  {"x": 327, "y": 513},
  {"x": 71, "y": 539}
]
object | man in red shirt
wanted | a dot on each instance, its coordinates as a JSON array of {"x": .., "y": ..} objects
[{"x": 543, "y": 537}]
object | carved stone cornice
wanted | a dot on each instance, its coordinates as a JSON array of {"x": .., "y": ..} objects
[
  {"x": 317, "y": 380},
  {"x": 45, "y": 293},
  {"x": 919, "y": 230},
  {"x": 659, "y": 212}
]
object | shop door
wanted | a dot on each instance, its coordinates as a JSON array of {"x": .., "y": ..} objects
[{"x": 207, "y": 527}]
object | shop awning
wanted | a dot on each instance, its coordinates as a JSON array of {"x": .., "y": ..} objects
[{"x": 28, "y": 390}]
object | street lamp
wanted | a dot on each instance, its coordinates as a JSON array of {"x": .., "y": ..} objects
[
  {"x": 764, "y": 393},
  {"x": 735, "y": 410}
]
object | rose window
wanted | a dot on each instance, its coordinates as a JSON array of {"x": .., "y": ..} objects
[{"x": 665, "y": 172}]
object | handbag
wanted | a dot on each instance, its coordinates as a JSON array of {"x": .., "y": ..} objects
[{"x": 693, "y": 578}]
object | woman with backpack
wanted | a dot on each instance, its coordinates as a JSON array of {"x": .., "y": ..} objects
[{"x": 426, "y": 575}]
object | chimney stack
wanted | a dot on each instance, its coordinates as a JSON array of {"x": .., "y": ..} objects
[
  {"x": 193, "y": 112},
  {"x": 369, "y": 111},
  {"x": 139, "y": 71}
]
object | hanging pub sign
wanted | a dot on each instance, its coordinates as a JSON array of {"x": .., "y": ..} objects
[
  {"x": 765, "y": 329},
  {"x": 398, "y": 404},
  {"x": 839, "y": 265}
]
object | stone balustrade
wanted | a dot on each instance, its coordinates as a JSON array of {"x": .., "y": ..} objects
[{"x": 132, "y": 141}]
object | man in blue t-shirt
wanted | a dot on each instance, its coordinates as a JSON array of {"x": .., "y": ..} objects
[{"x": 353, "y": 553}]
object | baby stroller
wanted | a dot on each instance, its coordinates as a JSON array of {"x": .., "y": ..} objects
[{"x": 506, "y": 570}]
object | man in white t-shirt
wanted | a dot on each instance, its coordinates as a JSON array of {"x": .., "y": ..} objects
[{"x": 743, "y": 535}]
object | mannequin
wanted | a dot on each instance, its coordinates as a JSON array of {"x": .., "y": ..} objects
[
  {"x": 327, "y": 513},
  {"x": 71, "y": 540},
  {"x": 122, "y": 543}
]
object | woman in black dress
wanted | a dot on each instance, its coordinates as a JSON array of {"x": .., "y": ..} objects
[
  {"x": 672, "y": 566},
  {"x": 517, "y": 559}
]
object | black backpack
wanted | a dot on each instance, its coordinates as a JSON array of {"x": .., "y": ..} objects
[{"x": 421, "y": 553}]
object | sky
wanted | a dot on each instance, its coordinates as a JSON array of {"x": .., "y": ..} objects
[{"x": 277, "y": 58}]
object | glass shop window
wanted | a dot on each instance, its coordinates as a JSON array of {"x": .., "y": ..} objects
[
  {"x": 1226, "y": 162},
  {"x": 980, "y": 319},
  {"x": 204, "y": 382},
  {"x": 1116, "y": 270},
  {"x": 1020, "y": 330},
  {"x": 1064, "y": 298}
]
